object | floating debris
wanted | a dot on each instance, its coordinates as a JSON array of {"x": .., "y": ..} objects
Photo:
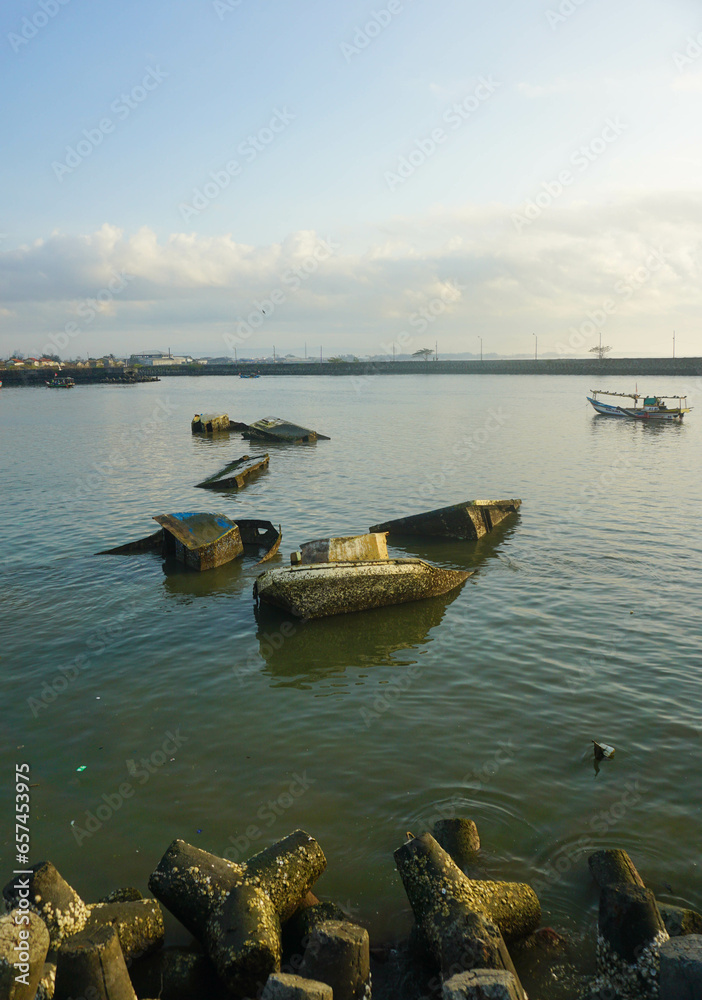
[{"x": 603, "y": 751}]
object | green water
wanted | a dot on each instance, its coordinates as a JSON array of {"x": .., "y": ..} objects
[{"x": 582, "y": 622}]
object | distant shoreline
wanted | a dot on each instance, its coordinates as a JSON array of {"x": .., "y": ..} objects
[{"x": 629, "y": 367}]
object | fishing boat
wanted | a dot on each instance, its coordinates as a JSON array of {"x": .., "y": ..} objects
[
  {"x": 319, "y": 590},
  {"x": 650, "y": 408},
  {"x": 234, "y": 475},
  {"x": 471, "y": 519},
  {"x": 65, "y": 382},
  {"x": 249, "y": 375}
]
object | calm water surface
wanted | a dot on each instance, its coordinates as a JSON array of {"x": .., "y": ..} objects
[{"x": 582, "y": 622}]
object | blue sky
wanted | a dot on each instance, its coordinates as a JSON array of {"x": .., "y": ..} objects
[{"x": 418, "y": 172}]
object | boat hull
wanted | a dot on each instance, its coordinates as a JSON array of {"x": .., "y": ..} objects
[
  {"x": 471, "y": 519},
  {"x": 234, "y": 475},
  {"x": 324, "y": 589},
  {"x": 636, "y": 413},
  {"x": 200, "y": 541}
]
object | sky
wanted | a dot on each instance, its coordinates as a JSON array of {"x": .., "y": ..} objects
[{"x": 221, "y": 176}]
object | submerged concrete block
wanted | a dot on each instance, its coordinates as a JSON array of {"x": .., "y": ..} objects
[
  {"x": 91, "y": 964},
  {"x": 681, "y": 968},
  {"x": 482, "y": 984},
  {"x": 338, "y": 953},
  {"x": 281, "y": 986}
]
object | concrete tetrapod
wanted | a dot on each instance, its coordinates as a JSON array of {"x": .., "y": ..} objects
[
  {"x": 24, "y": 943},
  {"x": 338, "y": 953},
  {"x": 237, "y": 910},
  {"x": 91, "y": 964},
  {"x": 460, "y": 838},
  {"x": 59, "y": 905},
  {"x": 481, "y": 984},
  {"x": 429, "y": 875},
  {"x": 453, "y": 917},
  {"x": 630, "y": 934}
]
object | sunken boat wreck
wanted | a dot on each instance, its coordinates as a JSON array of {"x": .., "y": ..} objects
[
  {"x": 334, "y": 576},
  {"x": 203, "y": 540},
  {"x": 234, "y": 475},
  {"x": 471, "y": 519}
]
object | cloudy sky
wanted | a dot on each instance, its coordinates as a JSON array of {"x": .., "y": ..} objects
[{"x": 221, "y": 175}]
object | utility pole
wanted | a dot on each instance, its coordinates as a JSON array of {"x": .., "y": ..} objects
[
  {"x": 481, "y": 347},
  {"x": 305, "y": 350},
  {"x": 673, "y": 343},
  {"x": 273, "y": 353},
  {"x": 436, "y": 350},
  {"x": 393, "y": 352},
  {"x": 536, "y": 346}
]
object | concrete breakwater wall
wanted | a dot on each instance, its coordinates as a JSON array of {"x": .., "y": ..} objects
[
  {"x": 629, "y": 367},
  {"x": 259, "y": 931}
]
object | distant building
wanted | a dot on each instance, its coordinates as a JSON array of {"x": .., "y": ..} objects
[{"x": 160, "y": 358}]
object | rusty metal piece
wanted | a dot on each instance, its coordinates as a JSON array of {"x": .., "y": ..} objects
[
  {"x": 323, "y": 589},
  {"x": 151, "y": 543},
  {"x": 209, "y": 423},
  {"x": 200, "y": 540},
  {"x": 470, "y": 519},
  {"x": 349, "y": 548},
  {"x": 234, "y": 475},
  {"x": 277, "y": 429},
  {"x": 261, "y": 533}
]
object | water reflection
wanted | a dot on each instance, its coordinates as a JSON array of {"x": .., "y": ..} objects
[
  {"x": 231, "y": 579},
  {"x": 454, "y": 553},
  {"x": 297, "y": 653}
]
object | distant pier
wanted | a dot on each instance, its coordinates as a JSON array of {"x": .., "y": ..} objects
[{"x": 629, "y": 367}]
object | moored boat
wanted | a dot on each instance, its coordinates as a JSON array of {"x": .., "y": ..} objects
[
  {"x": 650, "y": 408},
  {"x": 470, "y": 519},
  {"x": 65, "y": 382},
  {"x": 319, "y": 590}
]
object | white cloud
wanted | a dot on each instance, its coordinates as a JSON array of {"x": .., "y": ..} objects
[{"x": 488, "y": 276}]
